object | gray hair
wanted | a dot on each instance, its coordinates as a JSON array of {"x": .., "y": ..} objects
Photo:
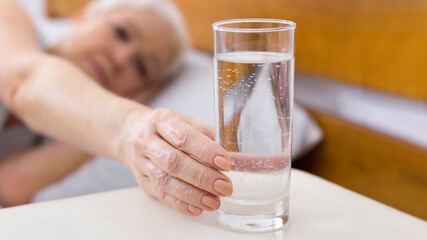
[{"x": 167, "y": 10}]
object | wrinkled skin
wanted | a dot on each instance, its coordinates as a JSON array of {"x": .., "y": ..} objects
[{"x": 159, "y": 156}]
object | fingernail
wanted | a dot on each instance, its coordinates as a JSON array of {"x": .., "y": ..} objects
[
  {"x": 222, "y": 163},
  {"x": 223, "y": 187},
  {"x": 194, "y": 210},
  {"x": 211, "y": 202}
]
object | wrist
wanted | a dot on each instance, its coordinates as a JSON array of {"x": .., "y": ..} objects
[{"x": 129, "y": 128}]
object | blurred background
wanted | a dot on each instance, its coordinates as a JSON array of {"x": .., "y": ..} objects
[{"x": 361, "y": 72}]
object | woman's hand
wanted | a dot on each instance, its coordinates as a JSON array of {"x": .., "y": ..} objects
[{"x": 161, "y": 152}]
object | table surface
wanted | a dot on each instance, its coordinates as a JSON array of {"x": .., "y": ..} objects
[{"x": 318, "y": 210}]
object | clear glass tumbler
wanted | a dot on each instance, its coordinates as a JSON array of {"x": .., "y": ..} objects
[{"x": 254, "y": 85}]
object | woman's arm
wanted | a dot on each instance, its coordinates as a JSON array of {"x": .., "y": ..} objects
[
  {"x": 24, "y": 173},
  {"x": 55, "y": 98},
  {"x": 52, "y": 96}
]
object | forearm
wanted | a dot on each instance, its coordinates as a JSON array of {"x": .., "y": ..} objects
[{"x": 55, "y": 98}]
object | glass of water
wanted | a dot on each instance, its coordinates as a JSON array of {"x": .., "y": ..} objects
[{"x": 254, "y": 85}]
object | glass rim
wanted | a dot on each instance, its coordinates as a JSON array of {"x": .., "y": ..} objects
[{"x": 289, "y": 25}]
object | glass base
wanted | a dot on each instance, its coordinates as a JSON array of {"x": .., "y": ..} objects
[{"x": 254, "y": 224}]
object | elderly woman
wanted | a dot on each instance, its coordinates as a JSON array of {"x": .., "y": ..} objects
[{"x": 78, "y": 93}]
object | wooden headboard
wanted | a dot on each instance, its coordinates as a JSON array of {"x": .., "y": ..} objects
[{"x": 381, "y": 45}]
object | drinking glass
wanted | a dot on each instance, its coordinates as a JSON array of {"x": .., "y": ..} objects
[{"x": 254, "y": 85}]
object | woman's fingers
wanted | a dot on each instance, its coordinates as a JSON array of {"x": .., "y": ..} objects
[
  {"x": 157, "y": 182},
  {"x": 182, "y": 166},
  {"x": 187, "y": 138},
  {"x": 180, "y": 189},
  {"x": 190, "y": 194},
  {"x": 181, "y": 205},
  {"x": 175, "y": 202}
]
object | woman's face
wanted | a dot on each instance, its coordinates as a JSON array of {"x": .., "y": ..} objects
[{"x": 123, "y": 49}]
